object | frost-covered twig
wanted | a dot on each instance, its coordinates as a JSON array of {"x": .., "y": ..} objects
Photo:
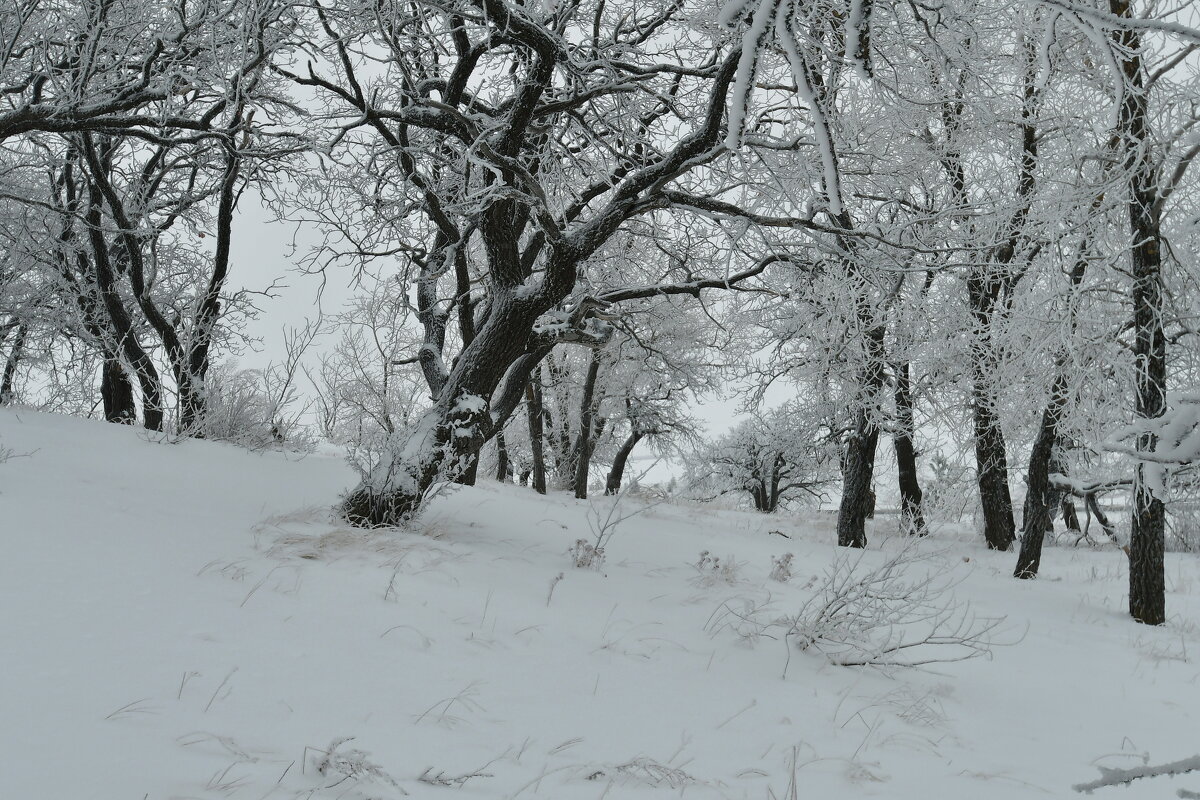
[
  {"x": 1118, "y": 777},
  {"x": 351, "y": 765},
  {"x": 440, "y": 778}
]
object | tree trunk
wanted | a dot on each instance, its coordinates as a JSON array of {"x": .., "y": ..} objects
[
  {"x": 10, "y": 365},
  {"x": 858, "y": 471},
  {"x": 116, "y": 392},
  {"x": 777, "y": 466},
  {"x": 1147, "y": 583},
  {"x": 448, "y": 436},
  {"x": 758, "y": 491},
  {"x": 1070, "y": 516},
  {"x": 581, "y": 453},
  {"x": 208, "y": 310},
  {"x": 858, "y": 467},
  {"x": 912, "y": 517},
  {"x": 1041, "y": 496},
  {"x": 503, "y": 466},
  {"x": 533, "y": 408},
  {"x": 470, "y": 473},
  {"x": 617, "y": 473},
  {"x": 991, "y": 458},
  {"x": 122, "y": 325}
]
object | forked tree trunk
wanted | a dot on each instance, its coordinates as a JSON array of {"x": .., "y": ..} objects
[
  {"x": 1041, "y": 496},
  {"x": 912, "y": 517},
  {"x": 617, "y": 474},
  {"x": 448, "y": 436},
  {"x": 116, "y": 392},
  {"x": 773, "y": 491},
  {"x": 122, "y": 325},
  {"x": 533, "y": 409}
]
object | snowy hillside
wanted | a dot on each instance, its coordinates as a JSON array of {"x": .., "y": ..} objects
[{"x": 187, "y": 621}]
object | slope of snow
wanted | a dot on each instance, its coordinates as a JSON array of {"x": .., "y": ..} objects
[{"x": 186, "y": 620}]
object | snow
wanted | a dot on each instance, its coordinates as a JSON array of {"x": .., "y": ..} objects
[
  {"x": 468, "y": 403},
  {"x": 187, "y": 620}
]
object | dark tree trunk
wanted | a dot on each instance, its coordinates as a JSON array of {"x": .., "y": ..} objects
[
  {"x": 122, "y": 325},
  {"x": 15, "y": 353},
  {"x": 469, "y": 474},
  {"x": 208, "y": 312},
  {"x": 533, "y": 408},
  {"x": 912, "y": 517},
  {"x": 987, "y": 284},
  {"x": 858, "y": 467},
  {"x": 581, "y": 453},
  {"x": 557, "y": 423},
  {"x": 132, "y": 263},
  {"x": 1070, "y": 516},
  {"x": 617, "y": 473},
  {"x": 1041, "y": 496},
  {"x": 858, "y": 471},
  {"x": 1147, "y": 581},
  {"x": 991, "y": 458},
  {"x": 503, "y": 465},
  {"x": 117, "y": 394},
  {"x": 777, "y": 466},
  {"x": 447, "y": 438},
  {"x": 759, "y": 493}
]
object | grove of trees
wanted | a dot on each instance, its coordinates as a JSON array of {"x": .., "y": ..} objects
[{"x": 967, "y": 229}]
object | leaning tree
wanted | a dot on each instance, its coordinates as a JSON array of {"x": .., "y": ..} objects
[{"x": 504, "y": 147}]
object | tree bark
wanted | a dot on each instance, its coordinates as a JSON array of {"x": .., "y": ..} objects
[
  {"x": 856, "y": 482},
  {"x": 617, "y": 473},
  {"x": 116, "y": 392},
  {"x": 912, "y": 517},
  {"x": 991, "y": 458},
  {"x": 533, "y": 408},
  {"x": 1041, "y": 495},
  {"x": 581, "y": 453},
  {"x": 1070, "y": 516},
  {"x": 122, "y": 325},
  {"x": 503, "y": 465},
  {"x": 448, "y": 436},
  {"x": 15, "y": 353},
  {"x": 1147, "y": 582},
  {"x": 858, "y": 467},
  {"x": 197, "y": 360}
]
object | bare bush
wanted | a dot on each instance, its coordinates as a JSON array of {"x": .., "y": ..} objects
[
  {"x": 253, "y": 408},
  {"x": 901, "y": 613}
]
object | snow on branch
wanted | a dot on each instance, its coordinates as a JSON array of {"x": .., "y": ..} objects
[
  {"x": 1120, "y": 777},
  {"x": 1177, "y": 433},
  {"x": 691, "y": 287},
  {"x": 1110, "y": 21},
  {"x": 1175, "y": 436},
  {"x": 776, "y": 17}
]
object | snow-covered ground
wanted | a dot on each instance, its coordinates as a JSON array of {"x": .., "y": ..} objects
[{"x": 186, "y": 620}]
